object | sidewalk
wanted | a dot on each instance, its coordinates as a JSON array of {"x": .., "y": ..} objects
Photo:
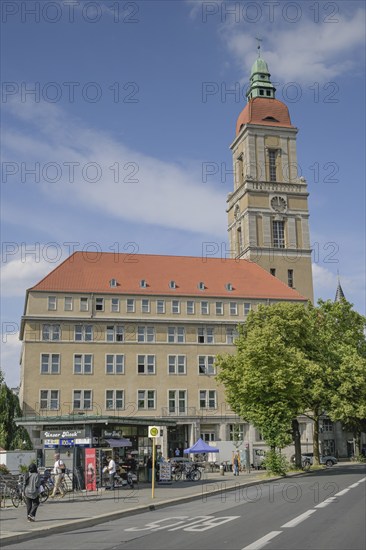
[{"x": 80, "y": 509}]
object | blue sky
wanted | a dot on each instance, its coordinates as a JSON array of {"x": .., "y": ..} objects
[{"x": 132, "y": 100}]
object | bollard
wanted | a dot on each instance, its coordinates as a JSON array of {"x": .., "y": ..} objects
[{"x": 222, "y": 471}]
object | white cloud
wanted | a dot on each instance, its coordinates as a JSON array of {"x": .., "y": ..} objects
[
  {"x": 132, "y": 186},
  {"x": 304, "y": 52},
  {"x": 24, "y": 271}
]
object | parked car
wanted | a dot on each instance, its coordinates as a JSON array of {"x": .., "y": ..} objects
[{"x": 327, "y": 460}]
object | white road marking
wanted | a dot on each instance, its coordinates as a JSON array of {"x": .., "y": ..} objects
[
  {"x": 325, "y": 502},
  {"x": 363, "y": 479},
  {"x": 299, "y": 519},
  {"x": 263, "y": 541},
  {"x": 354, "y": 485},
  {"x": 342, "y": 492}
]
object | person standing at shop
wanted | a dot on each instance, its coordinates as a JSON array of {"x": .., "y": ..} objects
[{"x": 112, "y": 472}]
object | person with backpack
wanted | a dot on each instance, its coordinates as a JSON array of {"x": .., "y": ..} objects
[
  {"x": 59, "y": 472},
  {"x": 32, "y": 482}
]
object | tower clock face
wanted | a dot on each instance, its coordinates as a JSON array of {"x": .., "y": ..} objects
[{"x": 278, "y": 204}]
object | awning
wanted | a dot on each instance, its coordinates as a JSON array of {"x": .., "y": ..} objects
[{"x": 119, "y": 442}]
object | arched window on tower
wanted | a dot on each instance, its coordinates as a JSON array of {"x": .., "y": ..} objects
[{"x": 239, "y": 240}]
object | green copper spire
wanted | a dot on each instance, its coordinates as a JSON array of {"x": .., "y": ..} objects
[{"x": 260, "y": 83}]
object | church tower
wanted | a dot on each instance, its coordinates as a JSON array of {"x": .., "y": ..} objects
[{"x": 268, "y": 209}]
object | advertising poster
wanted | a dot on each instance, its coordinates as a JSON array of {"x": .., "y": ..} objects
[{"x": 90, "y": 470}]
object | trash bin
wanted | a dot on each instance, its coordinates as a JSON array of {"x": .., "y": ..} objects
[{"x": 222, "y": 470}]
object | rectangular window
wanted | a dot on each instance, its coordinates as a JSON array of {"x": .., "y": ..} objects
[
  {"x": 231, "y": 334},
  {"x": 51, "y": 333},
  {"x": 115, "y": 333},
  {"x": 50, "y": 363},
  {"x": 206, "y": 365},
  {"x": 237, "y": 432},
  {"x": 177, "y": 401},
  {"x": 327, "y": 425},
  {"x": 146, "y": 399},
  {"x": 50, "y": 400},
  {"x": 130, "y": 305},
  {"x": 219, "y": 308},
  {"x": 84, "y": 304},
  {"x": 145, "y": 305},
  {"x": 205, "y": 335},
  {"x": 52, "y": 303},
  {"x": 160, "y": 306},
  {"x": 207, "y": 399},
  {"x": 99, "y": 304},
  {"x": 272, "y": 164},
  {"x": 233, "y": 308},
  {"x": 176, "y": 364},
  {"x": 114, "y": 399},
  {"x": 290, "y": 278},
  {"x": 83, "y": 363},
  {"x": 204, "y": 308},
  {"x": 175, "y": 306},
  {"x": 68, "y": 303},
  {"x": 278, "y": 228},
  {"x": 115, "y": 305},
  {"x": 176, "y": 335},
  {"x": 114, "y": 364},
  {"x": 145, "y": 334},
  {"x": 83, "y": 333},
  {"x": 247, "y": 308},
  {"x": 82, "y": 399},
  {"x": 190, "y": 307},
  {"x": 146, "y": 364}
]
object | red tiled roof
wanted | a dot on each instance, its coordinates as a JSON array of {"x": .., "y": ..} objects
[
  {"x": 258, "y": 109},
  {"x": 82, "y": 274}
]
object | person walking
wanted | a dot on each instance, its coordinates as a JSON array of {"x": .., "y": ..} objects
[
  {"x": 32, "y": 484},
  {"x": 59, "y": 472}
]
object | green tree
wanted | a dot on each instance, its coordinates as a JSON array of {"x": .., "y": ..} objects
[
  {"x": 293, "y": 359},
  {"x": 11, "y": 436}
]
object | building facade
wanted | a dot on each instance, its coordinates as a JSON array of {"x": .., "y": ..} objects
[{"x": 137, "y": 340}]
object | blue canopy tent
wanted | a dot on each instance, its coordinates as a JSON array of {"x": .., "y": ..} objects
[{"x": 201, "y": 447}]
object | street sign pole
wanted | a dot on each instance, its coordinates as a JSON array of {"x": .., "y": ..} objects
[
  {"x": 153, "y": 471},
  {"x": 153, "y": 432}
]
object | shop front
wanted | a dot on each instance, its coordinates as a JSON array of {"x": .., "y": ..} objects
[{"x": 85, "y": 444}]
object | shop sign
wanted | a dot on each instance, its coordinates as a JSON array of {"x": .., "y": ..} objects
[
  {"x": 165, "y": 472},
  {"x": 67, "y": 442},
  {"x": 83, "y": 441},
  {"x": 51, "y": 443},
  {"x": 62, "y": 434}
]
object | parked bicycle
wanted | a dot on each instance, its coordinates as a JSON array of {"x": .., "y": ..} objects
[
  {"x": 191, "y": 471},
  {"x": 17, "y": 492}
]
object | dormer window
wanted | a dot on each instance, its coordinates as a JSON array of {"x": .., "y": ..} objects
[
  {"x": 229, "y": 286},
  {"x": 201, "y": 286},
  {"x": 172, "y": 284},
  {"x": 143, "y": 283},
  {"x": 113, "y": 283}
]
